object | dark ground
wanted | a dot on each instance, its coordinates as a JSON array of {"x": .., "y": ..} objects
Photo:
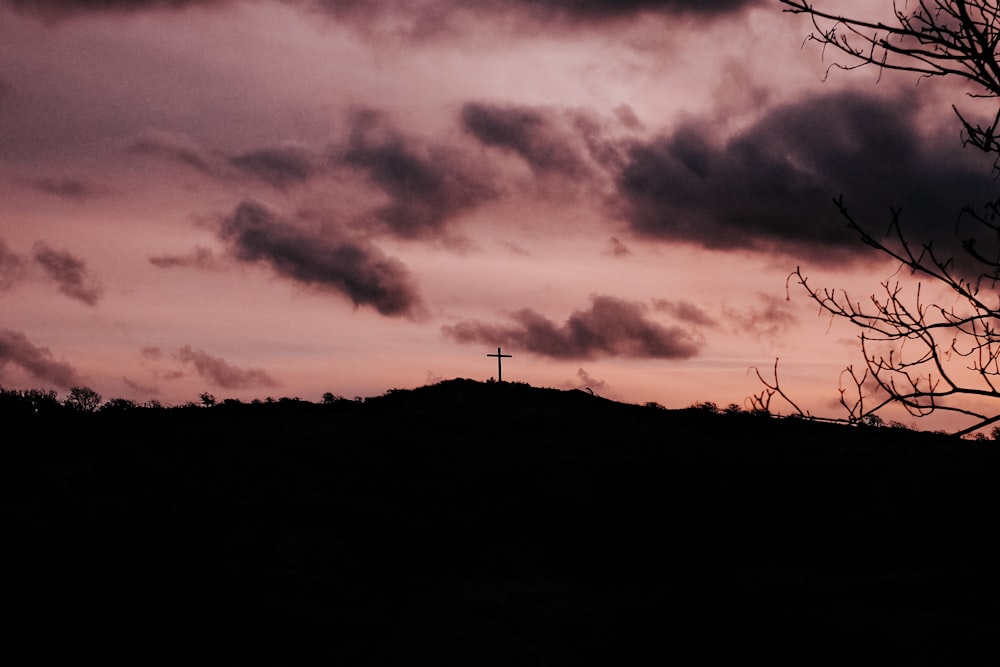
[{"x": 484, "y": 524}]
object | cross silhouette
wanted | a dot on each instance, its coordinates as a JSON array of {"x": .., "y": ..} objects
[{"x": 500, "y": 358}]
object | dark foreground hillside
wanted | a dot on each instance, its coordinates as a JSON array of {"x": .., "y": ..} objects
[{"x": 487, "y": 524}]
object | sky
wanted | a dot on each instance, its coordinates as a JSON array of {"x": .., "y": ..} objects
[{"x": 283, "y": 198}]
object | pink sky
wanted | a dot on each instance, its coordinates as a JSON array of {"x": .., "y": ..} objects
[{"x": 261, "y": 198}]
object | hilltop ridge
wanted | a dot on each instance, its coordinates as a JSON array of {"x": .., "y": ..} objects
[
  {"x": 515, "y": 408},
  {"x": 492, "y": 524}
]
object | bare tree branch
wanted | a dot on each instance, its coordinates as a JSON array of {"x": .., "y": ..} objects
[
  {"x": 761, "y": 403},
  {"x": 952, "y": 38},
  {"x": 923, "y": 356}
]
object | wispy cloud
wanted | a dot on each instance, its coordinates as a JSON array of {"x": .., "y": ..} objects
[
  {"x": 177, "y": 148},
  {"x": 279, "y": 167},
  {"x": 67, "y": 188},
  {"x": 616, "y": 248},
  {"x": 221, "y": 373},
  {"x": 200, "y": 258},
  {"x": 144, "y": 389},
  {"x": 685, "y": 311},
  {"x": 768, "y": 317}
]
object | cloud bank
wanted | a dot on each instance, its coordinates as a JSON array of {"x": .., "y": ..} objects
[
  {"x": 770, "y": 188},
  {"x": 423, "y": 19}
]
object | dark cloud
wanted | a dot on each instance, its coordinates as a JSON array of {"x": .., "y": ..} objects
[
  {"x": 431, "y": 17},
  {"x": 279, "y": 167},
  {"x": 16, "y": 349},
  {"x": 585, "y": 9},
  {"x": 201, "y": 258},
  {"x": 353, "y": 268},
  {"x": 685, "y": 311},
  {"x": 770, "y": 187},
  {"x": 68, "y": 272},
  {"x": 222, "y": 374},
  {"x": 423, "y": 18},
  {"x": 603, "y": 10},
  {"x": 427, "y": 187},
  {"x": 611, "y": 327},
  {"x": 103, "y": 5},
  {"x": 530, "y": 133},
  {"x": 56, "y": 9},
  {"x": 13, "y": 267}
]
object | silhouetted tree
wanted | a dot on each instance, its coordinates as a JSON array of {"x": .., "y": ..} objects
[
  {"x": 83, "y": 399},
  {"x": 119, "y": 405},
  {"x": 923, "y": 356},
  {"x": 28, "y": 402}
]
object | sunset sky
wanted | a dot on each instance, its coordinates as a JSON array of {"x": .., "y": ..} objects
[{"x": 262, "y": 198}]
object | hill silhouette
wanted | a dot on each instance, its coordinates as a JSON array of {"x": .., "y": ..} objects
[{"x": 490, "y": 524}]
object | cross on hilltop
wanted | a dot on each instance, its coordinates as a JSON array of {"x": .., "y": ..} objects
[{"x": 500, "y": 357}]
